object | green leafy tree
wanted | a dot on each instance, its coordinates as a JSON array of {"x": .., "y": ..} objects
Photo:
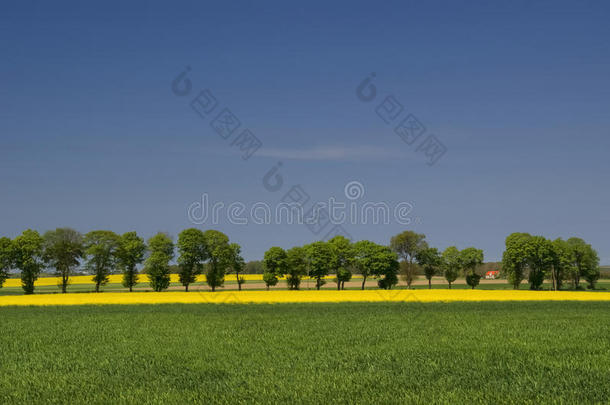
[
  {"x": 384, "y": 265},
  {"x": 320, "y": 260},
  {"x": 406, "y": 245},
  {"x": 63, "y": 248},
  {"x": 161, "y": 248},
  {"x": 100, "y": 249},
  {"x": 585, "y": 262},
  {"x": 6, "y": 258},
  {"x": 451, "y": 264},
  {"x": 129, "y": 254},
  {"x": 254, "y": 267},
  {"x": 540, "y": 260},
  {"x": 514, "y": 258},
  {"x": 344, "y": 253},
  {"x": 236, "y": 263},
  {"x": 270, "y": 279},
  {"x": 430, "y": 260},
  {"x": 373, "y": 260},
  {"x": 275, "y": 265},
  {"x": 364, "y": 255},
  {"x": 296, "y": 259},
  {"x": 219, "y": 254},
  {"x": 592, "y": 272},
  {"x": 562, "y": 263},
  {"x": 28, "y": 257},
  {"x": 192, "y": 253},
  {"x": 471, "y": 258}
]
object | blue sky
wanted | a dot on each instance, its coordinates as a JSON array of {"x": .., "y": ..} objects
[{"x": 93, "y": 137}]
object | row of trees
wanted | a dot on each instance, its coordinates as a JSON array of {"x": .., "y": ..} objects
[
  {"x": 337, "y": 256},
  {"x": 526, "y": 256},
  {"x": 104, "y": 252},
  {"x": 537, "y": 258},
  {"x": 413, "y": 249},
  {"x": 341, "y": 257}
]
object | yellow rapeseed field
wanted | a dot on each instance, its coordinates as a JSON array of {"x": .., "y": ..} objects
[{"x": 303, "y": 296}]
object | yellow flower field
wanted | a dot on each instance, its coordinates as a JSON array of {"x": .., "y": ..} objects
[
  {"x": 118, "y": 278},
  {"x": 306, "y": 296}
]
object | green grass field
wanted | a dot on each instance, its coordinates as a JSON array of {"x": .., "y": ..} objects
[{"x": 518, "y": 352}]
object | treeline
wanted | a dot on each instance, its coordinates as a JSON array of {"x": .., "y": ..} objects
[
  {"x": 211, "y": 253},
  {"x": 341, "y": 257},
  {"x": 526, "y": 257},
  {"x": 538, "y": 258},
  {"x": 104, "y": 252}
]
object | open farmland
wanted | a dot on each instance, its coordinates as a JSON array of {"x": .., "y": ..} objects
[
  {"x": 302, "y": 296},
  {"x": 483, "y": 352},
  {"x": 81, "y": 284}
]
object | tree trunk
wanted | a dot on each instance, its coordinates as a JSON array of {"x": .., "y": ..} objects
[
  {"x": 97, "y": 287},
  {"x": 429, "y": 283},
  {"x": 238, "y": 283},
  {"x": 130, "y": 289},
  {"x": 186, "y": 288},
  {"x": 363, "y": 281},
  {"x": 64, "y": 283},
  {"x": 450, "y": 285},
  {"x": 213, "y": 288}
]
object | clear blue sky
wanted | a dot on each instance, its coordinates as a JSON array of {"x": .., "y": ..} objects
[{"x": 93, "y": 137}]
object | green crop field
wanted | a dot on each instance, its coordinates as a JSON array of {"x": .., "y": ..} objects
[{"x": 506, "y": 352}]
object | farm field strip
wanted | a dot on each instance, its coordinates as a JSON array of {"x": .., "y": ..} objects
[
  {"x": 117, "y": 279},
  {"x": 391, "y": 353},
  {"x": 308, "y": 296}
]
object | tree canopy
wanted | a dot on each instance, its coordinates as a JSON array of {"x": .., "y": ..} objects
[
  {"x": 343, "y": 251},
  {"x": 192, "y": 253},
  {"x": 515, "y": 257},
  {"x": 100, "y": 253},
  {"x": 130, "y": 253},
  {"x": 6, "y": 258},
  {"x": 219, "y": 257},
  {"x": 470, "y": 258},
  {"x": 161, "y": 248},
  {"x": 236, "y": 263},
  {"x": 296, "y": 259},
  {"x": 28, "y": 257},
  {"x": 430, "y": 260},
  {"x": 407, "y": 245},
  {"x": 275, "y": 265},
  {"x": 321, "y": 261},
  {"x": 450, "y": 263},
  {"x": 63, "y": 249}
]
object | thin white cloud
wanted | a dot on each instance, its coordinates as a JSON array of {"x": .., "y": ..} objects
[{"x": 331, "y": 153}]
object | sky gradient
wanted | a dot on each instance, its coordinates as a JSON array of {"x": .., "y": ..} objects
[{"x": 93, "y": 137}]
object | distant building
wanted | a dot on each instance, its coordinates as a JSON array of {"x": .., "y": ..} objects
[{"x": 492, "y": 275}]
